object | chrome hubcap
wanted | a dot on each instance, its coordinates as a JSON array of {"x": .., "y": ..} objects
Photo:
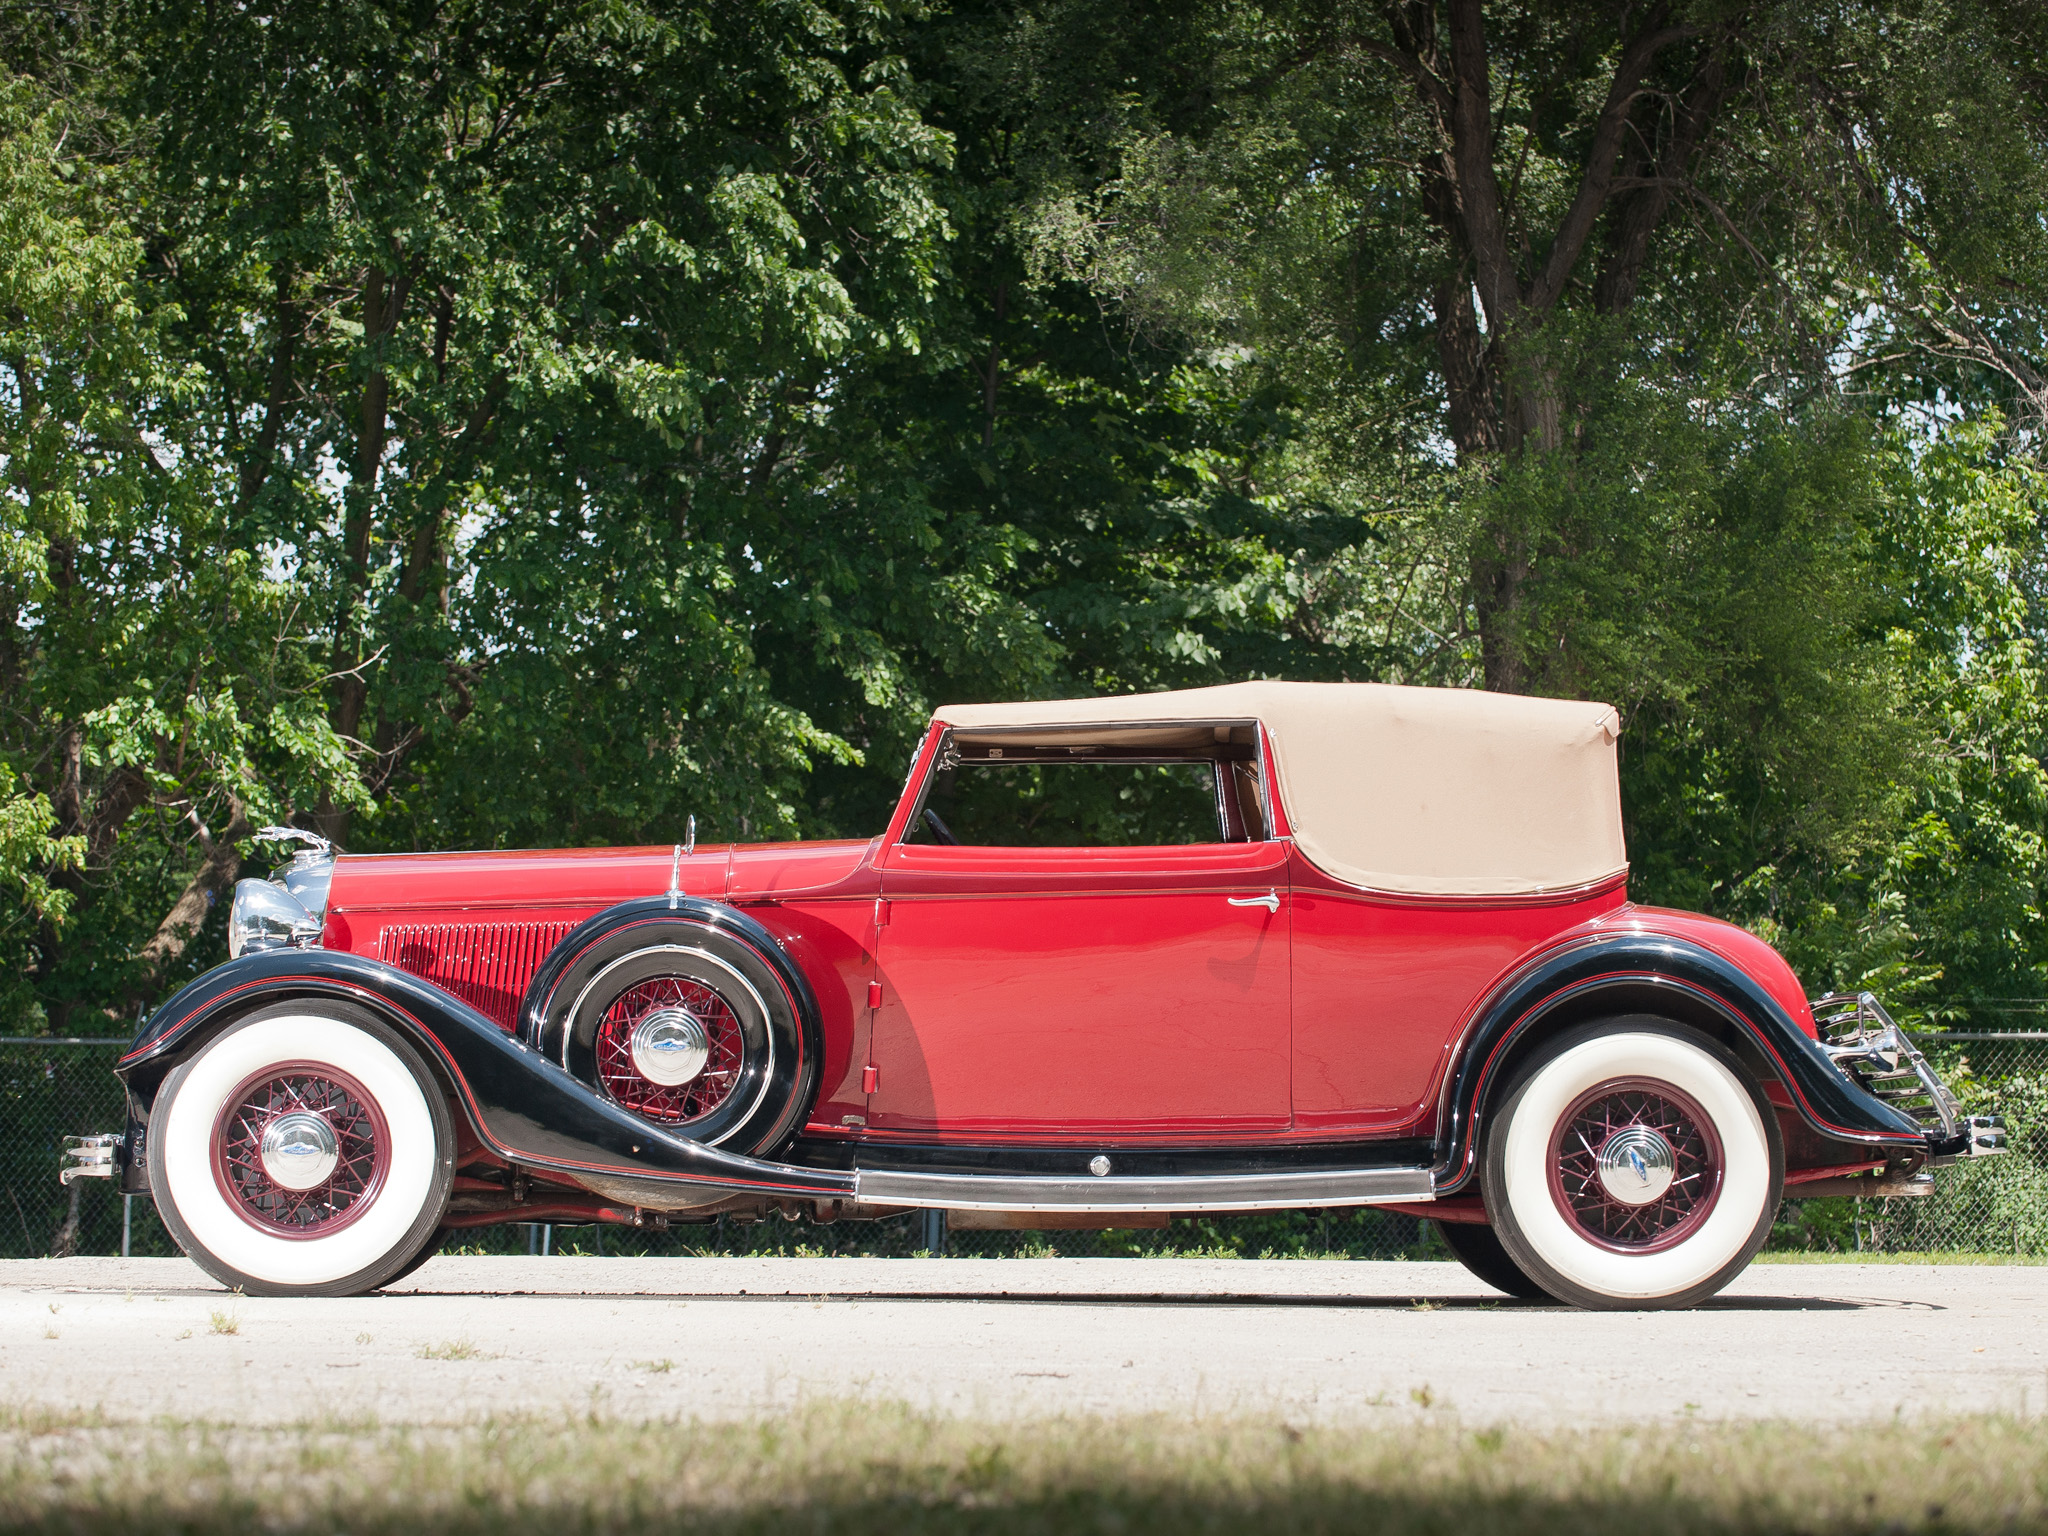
[
  {"x": 1637, "y": 1165},
  {"x": 299, "y": 1150},
  {"x": 670, "y": 1047}
]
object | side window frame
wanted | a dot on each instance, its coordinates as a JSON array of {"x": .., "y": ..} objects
[
  {"x": 943, "y": 758},
  {"x": 946, "y": 757}
]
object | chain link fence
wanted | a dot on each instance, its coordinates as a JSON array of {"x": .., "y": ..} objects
[
  {"x": 1991, "y": 1205},
  {"x": 53, "y": 1088},
  {"x": 50, "y": 1089}
]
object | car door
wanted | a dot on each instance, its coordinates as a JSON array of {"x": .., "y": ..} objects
[
  {"x": 1383, "y": 985},
  {"x": 1082, "y": 993}
]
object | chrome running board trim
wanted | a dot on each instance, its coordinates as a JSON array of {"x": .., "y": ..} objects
[{"x": 1218, "y": 1192}]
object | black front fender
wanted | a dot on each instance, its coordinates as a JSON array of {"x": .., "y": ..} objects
[
  {"x": 1636, "y": 972},
  {"x": 520, "y": 1106}
]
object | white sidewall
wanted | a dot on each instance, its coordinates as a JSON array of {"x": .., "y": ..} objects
[
  {"x": 186, "y": 1146},
  {"x": 1745, "y": 1176}
]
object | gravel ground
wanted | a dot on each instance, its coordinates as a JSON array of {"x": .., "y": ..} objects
[{"x": 465, "y": 1338}]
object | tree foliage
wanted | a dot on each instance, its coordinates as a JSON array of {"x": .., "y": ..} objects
[{"x": 527, "y": 424}]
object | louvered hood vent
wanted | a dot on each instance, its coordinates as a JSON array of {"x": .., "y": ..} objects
[{"x": 487, "y": 965}]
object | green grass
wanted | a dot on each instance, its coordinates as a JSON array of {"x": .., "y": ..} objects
[
  {"x": 454, "y": 1349},
  {"x": 836, "y": 1467},
  {"x": 1797, "y": 1256}
]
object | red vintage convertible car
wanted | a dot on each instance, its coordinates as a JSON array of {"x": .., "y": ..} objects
[{"x": 1249, "y": 948}]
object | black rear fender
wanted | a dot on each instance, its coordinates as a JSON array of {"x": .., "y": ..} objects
[{"x": 1635, "y": 973}]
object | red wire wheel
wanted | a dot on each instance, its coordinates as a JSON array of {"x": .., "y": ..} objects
[
  {"x": 684, "y": 1102},
  {"x": 1591, "y": 1155},
  {"x": 362, "y": 1147}
]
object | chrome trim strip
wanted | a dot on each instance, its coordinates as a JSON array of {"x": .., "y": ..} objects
[
  {"x": 1218, "y": 1192},
  {"x": 1543, "y": 896}
]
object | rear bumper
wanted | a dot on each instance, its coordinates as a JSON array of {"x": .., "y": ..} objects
[
  {"x": 101, "y": 1156},
  {"x": 1881, "y": 1060}
]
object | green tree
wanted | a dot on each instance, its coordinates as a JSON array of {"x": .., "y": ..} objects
[
  {"x": 537, "y": 424},
  {"x": 368, "y": 364},
  {"x": 1629, "y": 333},
  {"x": 504, "y": 308}
]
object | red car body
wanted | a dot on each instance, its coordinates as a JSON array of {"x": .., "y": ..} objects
[
  {"x": 1020, "y": 987},
  {"x": 1069, "y": 1034}
]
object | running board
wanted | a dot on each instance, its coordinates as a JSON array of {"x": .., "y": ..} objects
[{"x": 1217, "y": 1192}]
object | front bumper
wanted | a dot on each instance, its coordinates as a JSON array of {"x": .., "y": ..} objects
[{"x": 1881, "y": 1059}]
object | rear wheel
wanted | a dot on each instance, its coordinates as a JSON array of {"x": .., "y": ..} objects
[
  {"x": 306, "y": 1151},
  {"x": 1474, "y": 1246},
  {"x": 1633, "y": 1164}
]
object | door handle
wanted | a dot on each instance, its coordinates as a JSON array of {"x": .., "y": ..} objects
[{"x": 1270, "y": 901}]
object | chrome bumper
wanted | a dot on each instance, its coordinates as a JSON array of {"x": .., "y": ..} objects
[
  {"x": 1882, "y": 1060},
  {"x": 93, "y": 1157}
]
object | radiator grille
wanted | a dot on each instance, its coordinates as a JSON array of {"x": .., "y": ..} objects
[{"x": 487, "y": 965}]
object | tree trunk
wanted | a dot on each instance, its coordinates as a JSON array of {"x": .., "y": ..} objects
[
  {"x": 64, "y": 1241},
  {"x": 1468, "y": 383},
  {"x": 256, "y": 468},
  {"x": 1505, "y": 394},
  {"x": 992, "y": 371},
  {"x": 1498, "y": 577},
  {"x": 383, "y": 305},
  {"x": 1650, "y": 184},
  {"x": 218, "y": 867}
]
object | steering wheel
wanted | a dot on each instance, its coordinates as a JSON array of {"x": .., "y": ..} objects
[{"x": 940, "y": 830}]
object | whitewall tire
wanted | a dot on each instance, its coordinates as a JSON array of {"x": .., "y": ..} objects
[
  {"x": 1632, "y": 1164},
  {"x": 306, "y": 1151}
]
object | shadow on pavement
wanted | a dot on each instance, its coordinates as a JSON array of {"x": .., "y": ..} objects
[{"x": 1475, "y": 1303}]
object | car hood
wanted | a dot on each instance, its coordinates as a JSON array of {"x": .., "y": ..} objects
[{"x": 590, "y": 877}]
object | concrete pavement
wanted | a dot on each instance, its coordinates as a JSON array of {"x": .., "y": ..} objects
[{"x": 466, "y": 1338}]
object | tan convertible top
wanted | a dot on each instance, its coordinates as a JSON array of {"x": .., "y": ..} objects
[{"x": 1429, "y": 791}]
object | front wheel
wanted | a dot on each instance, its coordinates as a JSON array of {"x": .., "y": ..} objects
[
  {"x": 306, "y": 1151},
  {"x": 1633, "y": 1164}
]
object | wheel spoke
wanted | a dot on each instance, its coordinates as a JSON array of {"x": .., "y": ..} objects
[
  {"x": 684, "y": 1102},
  {"x": 1657, "y": 1121},
  {"x": 361, "y": 1151}
]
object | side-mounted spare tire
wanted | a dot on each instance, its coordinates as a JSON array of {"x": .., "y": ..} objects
[{"x": 689, "y": 1015}]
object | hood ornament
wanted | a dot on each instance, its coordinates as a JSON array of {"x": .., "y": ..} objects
[{"x": 316, "y": 846}]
